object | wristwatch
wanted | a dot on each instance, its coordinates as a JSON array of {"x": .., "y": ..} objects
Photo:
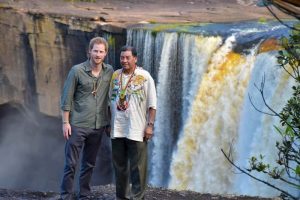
[{"x": 150, "y": 124}]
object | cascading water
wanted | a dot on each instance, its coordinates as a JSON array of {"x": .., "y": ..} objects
[
  {"x": 161, "y": 150},
  {"x": 211, "y": 125},
  {"x": 256, "y": 131},
  {"x": 203, "y": 77},
  {"x": 196, "y": 52}
]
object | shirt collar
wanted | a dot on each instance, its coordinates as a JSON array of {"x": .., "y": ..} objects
[{"x": 88, "y": 66}]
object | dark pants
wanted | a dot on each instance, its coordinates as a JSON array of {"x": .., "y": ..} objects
[
  {"x": 87, "y": 140},
  {"x": 130, "y": 158}
]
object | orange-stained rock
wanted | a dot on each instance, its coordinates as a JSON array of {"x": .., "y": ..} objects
[{"x": 271, "y": 44}]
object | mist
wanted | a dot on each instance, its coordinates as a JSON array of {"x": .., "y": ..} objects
[{"x": 32, "y": 151}]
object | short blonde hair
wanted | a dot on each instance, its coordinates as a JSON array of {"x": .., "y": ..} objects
[{"x": 98, "y": 40}]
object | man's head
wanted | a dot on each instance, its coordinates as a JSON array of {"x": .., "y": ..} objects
[
  {"x": 98, "y": 40},
  {"x": 128, "y": 58},
  {"x": 98, "y": 50}
]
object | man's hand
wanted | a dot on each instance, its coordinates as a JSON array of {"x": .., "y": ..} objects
[
  {"x": 148, "y": 132},
  {"x": 67, "y": 130}
]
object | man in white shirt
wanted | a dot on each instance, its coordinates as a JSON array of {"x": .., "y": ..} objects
[{"x": 133, "y": 109}]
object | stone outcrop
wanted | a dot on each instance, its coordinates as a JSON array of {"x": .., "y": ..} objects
[{"x": 37, "y": 51}]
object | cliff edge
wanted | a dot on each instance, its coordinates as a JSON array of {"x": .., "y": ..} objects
[{"x": 126, "y": 12}]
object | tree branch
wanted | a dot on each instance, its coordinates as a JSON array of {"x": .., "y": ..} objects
[
  {"x": 285, "y": 69},
  {"x": 250, "y": 98},
  {"x": 262, "y": 181},
  {"x": 274, "y": 15},
  {"x": 261, "y": 90}
]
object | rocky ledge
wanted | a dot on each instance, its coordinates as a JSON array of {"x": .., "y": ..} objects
[
  {"x": 107, "y": 193},
  {"x": 127, "y": 12}
]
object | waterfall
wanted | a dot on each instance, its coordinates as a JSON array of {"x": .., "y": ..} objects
[
  {"x": 212, "y": 125},
  {"x": 256, "y": 130},
  {"x": 203, "y": 77},
  {"x": 196, "y": 54},
  {"x": 162, "y": 150},
  {"x": 164, "y": 71}
]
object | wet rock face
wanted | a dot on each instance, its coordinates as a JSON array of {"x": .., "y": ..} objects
[{"x": 36, "y": 53}]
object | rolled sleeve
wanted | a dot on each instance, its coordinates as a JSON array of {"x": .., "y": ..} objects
[
  {"x": 68, "y": 91},
  {"x": 152, "y": 99}
]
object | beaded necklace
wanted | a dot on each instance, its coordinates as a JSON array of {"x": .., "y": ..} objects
[
  {"x": 95, "y": 88},
  {"x": 123, "y": 104}
]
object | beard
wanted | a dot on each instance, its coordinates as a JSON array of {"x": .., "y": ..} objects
[{"x": 97, "y": 60}]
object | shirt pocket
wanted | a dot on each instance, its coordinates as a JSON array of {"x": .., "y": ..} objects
[
  {"x": 106, "y": 80},
  {"x": 105, "y": 83},
  {"x": 85, "y": 86}
]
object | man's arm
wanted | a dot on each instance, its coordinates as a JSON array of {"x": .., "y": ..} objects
[
  {"x": 151, "y": 117},
  {"x": 150, "y": 124},
  {"x": 108, "y": 127},
  {"x": 66, "y": 102},
  {"x": 66, "y": 124}
]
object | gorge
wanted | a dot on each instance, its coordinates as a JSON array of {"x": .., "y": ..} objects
[{"x": 204, "y": 73}]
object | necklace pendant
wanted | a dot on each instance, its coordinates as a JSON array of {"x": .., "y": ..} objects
[
  {"x": 122, "y": 105},
  {"x": 94, "y": 93},
  {"x": 122, "y": 94}
]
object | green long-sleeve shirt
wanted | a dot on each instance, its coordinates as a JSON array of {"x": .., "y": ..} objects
[{"x": 87, "y": 110}]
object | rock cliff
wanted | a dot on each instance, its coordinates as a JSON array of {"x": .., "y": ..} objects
[{"x": 37, "y": 51}]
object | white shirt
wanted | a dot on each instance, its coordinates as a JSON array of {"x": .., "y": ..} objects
[{"x": 140, "y": 96}]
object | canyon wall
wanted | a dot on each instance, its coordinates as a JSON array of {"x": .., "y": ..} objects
[{"x": 37, "y": 51}]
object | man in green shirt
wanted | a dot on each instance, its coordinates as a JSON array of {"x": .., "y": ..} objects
[{"x": 85, "y": 115}]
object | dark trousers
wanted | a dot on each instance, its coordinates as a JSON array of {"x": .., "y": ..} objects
[
  {"x": 87, "y": 141},
  {"x": 130, "y": 159}
]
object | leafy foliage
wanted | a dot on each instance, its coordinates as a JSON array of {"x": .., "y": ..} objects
[
  {"x": 288, "y": 157},
  {"x": 288, "y": 160}
]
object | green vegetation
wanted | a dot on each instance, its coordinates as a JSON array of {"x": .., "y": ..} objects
[
  {"x": 287, "y": 169},
  {"x": 178, "y": 27},
  {"x": 164, "y": 27},
  {"x": 288, "y": 160},
  {"x": 262, "y": 20},
  {"x": 111, "y": 41}
]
